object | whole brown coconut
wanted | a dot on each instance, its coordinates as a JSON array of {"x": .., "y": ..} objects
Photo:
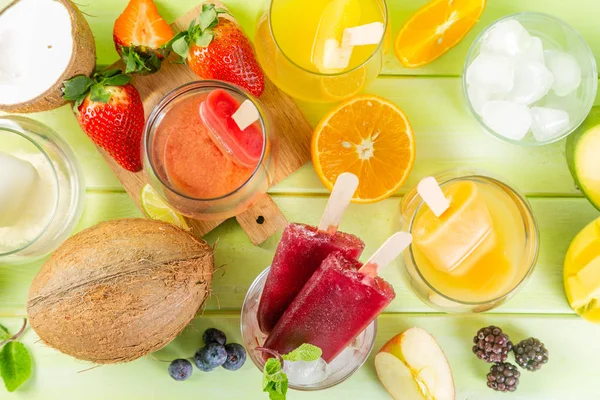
[
  {"x": 83, "y": 62},
  {"x": 120, "y": 290}
]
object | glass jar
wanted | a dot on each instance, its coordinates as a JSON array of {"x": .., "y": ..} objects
[
  {"x": 340, "y": 369},
  {"x": 494, "y": 268},
  {"x": 166, "y": 115},
  {"x": 302, "y": 82},
  {"x": 49, "y": 184}
]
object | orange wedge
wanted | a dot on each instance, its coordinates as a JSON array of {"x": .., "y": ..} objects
[
  {"x": 436, "y": 28},
  {"x": 370, "y": 137}
]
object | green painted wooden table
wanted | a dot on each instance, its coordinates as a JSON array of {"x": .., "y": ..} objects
[{"x": 447, "y": 136}]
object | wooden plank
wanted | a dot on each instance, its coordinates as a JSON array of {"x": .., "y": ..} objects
[
  {"x": 569, "y": 375},
  {"x": 240, "y": 261},
  {"x": 447, "y": 137},
  {"x": 102, "y": 14}
]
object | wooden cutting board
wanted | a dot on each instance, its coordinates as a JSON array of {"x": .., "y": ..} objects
[{"x": 293, "y": 131}]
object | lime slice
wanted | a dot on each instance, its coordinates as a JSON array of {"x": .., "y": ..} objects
[{"x": 155, "y": 208}]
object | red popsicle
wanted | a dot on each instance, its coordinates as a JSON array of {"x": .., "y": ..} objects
[
  {"x": 300, "y": 252},
  {"x": 244, "y": 147},
  {"x": 334, "y": 307},
  {"x": 302, "y": 249}
]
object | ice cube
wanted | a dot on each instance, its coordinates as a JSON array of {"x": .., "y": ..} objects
[
  {"x": 511, "y": 120},
  {"x": 478, "y": 97},
  {"x": 548, "y": 123},
  {"x": 507, "y": 38},
  {"x": 566, "y": 71},
  {"x": 532, "y": 82},
  {"x": 305, "y": 372},
  {"x": 492, "y": 73},
  {"x": 535, "y": 52},
  {"x": 18, "y": 179}
]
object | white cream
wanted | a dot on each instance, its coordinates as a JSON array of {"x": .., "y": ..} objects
[
  {"x": 35, "y": 48},
  {"x": 18, "y": 179}
]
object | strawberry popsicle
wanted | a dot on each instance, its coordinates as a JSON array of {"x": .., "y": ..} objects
[
  {"x": 334, "y": 307},
  {"x": 243, "y": 146},
  {"x": 300, "y": 252}
]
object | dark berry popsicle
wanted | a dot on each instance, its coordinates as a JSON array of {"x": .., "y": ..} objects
[
  {"x": 301, "y": 251},
  {"x": 337, "y": 303}
]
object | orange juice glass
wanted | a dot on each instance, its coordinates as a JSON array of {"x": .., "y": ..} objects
[
  {"x": 474, "y": 256},
  {"x": 293, "y": 43},
  {"x": 186, "y": 166}
]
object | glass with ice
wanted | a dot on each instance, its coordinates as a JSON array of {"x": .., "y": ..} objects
[
  {"x": 530, "y": 79},
  {"x": 473, "y": 254},
  {"x": 304, "y": 376}
]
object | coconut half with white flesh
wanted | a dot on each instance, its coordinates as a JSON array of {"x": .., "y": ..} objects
[{"x": 42, "y": 44}]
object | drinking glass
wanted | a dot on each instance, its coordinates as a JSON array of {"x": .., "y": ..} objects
[
  {"x": 555, "y": 34},
  {"x": 299, "y": 80},
  {"x": 59, "y": 173},
  {"x": 340, "y": 369},
  {"x": 523, "y": 248},
  {"x": 230, "y": 204}
]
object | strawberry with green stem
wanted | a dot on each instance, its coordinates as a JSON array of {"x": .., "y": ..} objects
[
  {"x": 110, "y": 111},
  {"x": 140, "y": 34},
  {"x": 216, "y": 48}
]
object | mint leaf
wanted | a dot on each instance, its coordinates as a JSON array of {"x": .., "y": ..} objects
[
  {"x": 220, "y": 10},
  {"x": 4, "y": 333},
  {"x": 204, "y": 39},
  {"x": 275, "y": 381},
  {"x": 306, "y": 352},
  {"x": 99, "y": 94},
  {"x": 207, "y": 17},
  {"x": 76, "y": 87},
  {"x": 180, "y": 47},
  {"x": 206, "y": 7},
  {"x": 15, "y": 365}
]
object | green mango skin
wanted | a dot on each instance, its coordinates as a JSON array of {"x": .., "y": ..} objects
[{"x": 582, "y": 137}]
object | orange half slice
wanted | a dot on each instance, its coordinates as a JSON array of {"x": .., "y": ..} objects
[{"x": 436, "y": 28}]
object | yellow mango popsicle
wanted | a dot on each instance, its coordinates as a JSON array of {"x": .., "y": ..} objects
[{"x": 461, "y": 236}]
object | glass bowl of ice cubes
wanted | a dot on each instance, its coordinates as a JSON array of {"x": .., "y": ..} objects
[
  {"x": 530, "y": 79},
  {"x": 303, "y": 376}
]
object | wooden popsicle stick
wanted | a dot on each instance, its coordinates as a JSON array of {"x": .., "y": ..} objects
[
  {"x": 363, "y": 35},
  {"x": 245, "y": 115},
  {"x": 341, "y": 196},
  {"x": 262, "y": 219},
  {"x": 391, "y": 249},
  {"x": 431, "y": 193}
]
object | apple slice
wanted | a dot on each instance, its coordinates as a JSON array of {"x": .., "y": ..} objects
[{"x": 412, "y": 366}]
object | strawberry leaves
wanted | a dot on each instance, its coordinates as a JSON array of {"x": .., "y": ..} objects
[
  {"x": 78, "y": 88},
  {"x": 141, "y": 60},
  {"x": 199, "y": 32}
]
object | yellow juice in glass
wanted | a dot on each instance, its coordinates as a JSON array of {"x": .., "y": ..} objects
[
  {"x": 478, "y": 251},
  {"x": 296, "y": 45}
]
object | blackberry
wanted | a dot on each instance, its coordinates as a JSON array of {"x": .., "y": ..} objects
[
  {"x": 503, "y": 377},
  {"x": 491, "y": 344},
  {"x": 531, "y": 354}
]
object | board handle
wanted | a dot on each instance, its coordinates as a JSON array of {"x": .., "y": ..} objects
[{"x": 262, "y": 220}]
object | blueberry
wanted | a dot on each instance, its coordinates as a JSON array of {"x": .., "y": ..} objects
[
  {"x": 236, "y": 356},
  {"x": 213, "y": 335},
  {"x": 202, "y": 366},
  {"x": 180, "y": 369},
  {"x": 212, "y": 355}
]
